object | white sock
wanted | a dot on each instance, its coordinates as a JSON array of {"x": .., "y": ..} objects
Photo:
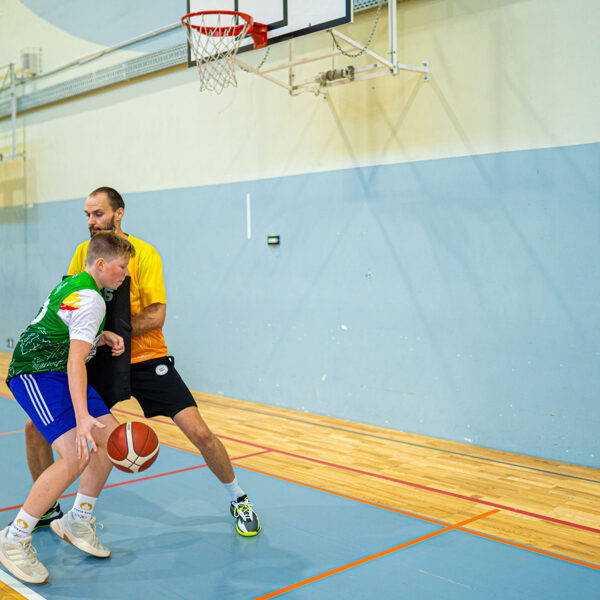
[
  {"x": 83, "y": 507},
  {"x": 234, "y": 490},
  {"x": 22, "y": 526}
]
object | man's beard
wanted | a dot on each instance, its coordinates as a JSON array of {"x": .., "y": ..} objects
[{"x": 109, "y": 227}]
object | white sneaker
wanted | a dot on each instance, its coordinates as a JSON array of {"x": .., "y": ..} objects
[
  {"x": 18, "y": 557},
  {"x": 82, "y": 534}
]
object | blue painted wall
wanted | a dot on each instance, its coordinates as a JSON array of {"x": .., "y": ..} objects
[
  {"x": 456, "y": 298},
  {"x": 108, "y": 22}
]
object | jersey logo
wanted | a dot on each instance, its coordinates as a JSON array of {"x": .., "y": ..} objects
[{"x": 71, "y": 302}]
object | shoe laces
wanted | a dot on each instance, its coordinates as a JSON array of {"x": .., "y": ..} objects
[
  {"x": 243, "y": 509},
  {"x": 30, "y": 551},
  {"x": 88, "y": 529},
  {"x": 27, "y": 551}
]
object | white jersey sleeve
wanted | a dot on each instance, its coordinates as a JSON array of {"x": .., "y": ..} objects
[{"x": 83, "y": 312}]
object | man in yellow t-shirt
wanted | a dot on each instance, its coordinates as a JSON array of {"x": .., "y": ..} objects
[
  {"x": 148, "y": 299},
  {"x": 155, "y": 383}
]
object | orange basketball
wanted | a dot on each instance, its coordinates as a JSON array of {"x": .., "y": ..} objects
[{"x": 132, "y": 447}]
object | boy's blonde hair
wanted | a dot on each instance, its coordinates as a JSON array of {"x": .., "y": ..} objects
[{"x": 108, "y": 245}]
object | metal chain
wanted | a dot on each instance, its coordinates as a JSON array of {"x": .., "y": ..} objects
[
  {"x": 261, "y": 63},
  {"x": 264, "y": 59},
  {"x": 370, "y": 36},
  {"x": 379, "y": 7}
]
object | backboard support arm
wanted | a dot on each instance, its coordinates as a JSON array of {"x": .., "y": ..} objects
[{"x": 334, "y": 77}]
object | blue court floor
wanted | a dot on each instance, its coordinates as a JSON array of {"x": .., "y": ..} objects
[{"x": 172, "y": 537}]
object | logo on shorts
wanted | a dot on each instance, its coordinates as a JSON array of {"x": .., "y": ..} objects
[{"x": 161, "y": 370}]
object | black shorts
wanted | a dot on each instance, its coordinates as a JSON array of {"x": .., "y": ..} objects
[{"x": 158, "y": 387}]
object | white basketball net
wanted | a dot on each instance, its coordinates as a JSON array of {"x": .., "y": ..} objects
[{"x": 214, "y": 53}]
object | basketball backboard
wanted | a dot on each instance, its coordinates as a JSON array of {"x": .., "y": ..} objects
[{"x": 286, "y": 19}]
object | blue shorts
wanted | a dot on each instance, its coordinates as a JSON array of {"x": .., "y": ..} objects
[{"x": 45, "y": 397}]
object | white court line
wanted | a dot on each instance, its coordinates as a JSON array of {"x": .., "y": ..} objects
[
  {"x": 248, "y": 219},
  {"x": 19, "y": 587}
]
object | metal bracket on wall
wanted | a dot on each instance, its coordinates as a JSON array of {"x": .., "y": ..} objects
[
  {"x": 23, "y": 99},
  {"x": 320, "y": 83},
  {"x": 13, "y": 114}
]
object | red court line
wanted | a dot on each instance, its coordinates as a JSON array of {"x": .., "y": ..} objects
[
  {"x": 10, "y": 508},
  {"x": 112, "y": 485},
  {"x": 366, "y": 559},
  {"x": 361, "y": 500},
  {"x": 365, "y": 434},
  {"x": 198, "y": 453},
  {"x": 147, "y": 478},
  {"x": 375, "y": 475},
  {"x": 402, "y": 482},
  {"x": 342, "y": 495},
  {"x": 428, "y": 519},
  {"x": 392, "y": 479},
  {"x": 388, "y": 439},
  {"x": 429, "y": 489}
]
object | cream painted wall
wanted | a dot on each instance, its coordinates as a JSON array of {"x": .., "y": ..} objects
[
  {"x": 507, "y": 75},
  {"x": 22, "y": 28}
]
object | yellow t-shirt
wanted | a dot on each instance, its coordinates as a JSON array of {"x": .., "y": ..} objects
[{"x": 147, "y": 287}]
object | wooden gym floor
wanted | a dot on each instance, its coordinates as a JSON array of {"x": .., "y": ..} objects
[{"x": 539, "y": 506}]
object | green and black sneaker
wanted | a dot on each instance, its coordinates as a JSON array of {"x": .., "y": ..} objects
[
  {"x": 247, "y": 523},
  {"x": 49, "y": 516}
]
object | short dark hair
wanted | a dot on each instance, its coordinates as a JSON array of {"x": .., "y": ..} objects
[
  {"x": 108, "y": 245},
  {"x": 115, "y": 199}
]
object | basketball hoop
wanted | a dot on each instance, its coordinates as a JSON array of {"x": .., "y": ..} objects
[{"x": 215, "y": 37}]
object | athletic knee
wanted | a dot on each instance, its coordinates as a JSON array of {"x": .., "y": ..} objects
[
  {"x": 75, "y": 466},
  {"x": 203, "y": 438}
]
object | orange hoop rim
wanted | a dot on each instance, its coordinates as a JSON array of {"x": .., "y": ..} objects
[
  {"x": 219, "y": 31},
  {"x": 258, "y": 31}
]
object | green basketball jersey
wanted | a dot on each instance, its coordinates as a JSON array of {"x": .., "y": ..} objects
[{"x": 74, "y": 309}]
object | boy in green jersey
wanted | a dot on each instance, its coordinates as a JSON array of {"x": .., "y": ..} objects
[{"x": 47, "y": 376}]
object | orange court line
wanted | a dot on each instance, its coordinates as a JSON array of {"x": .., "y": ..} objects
[
  {"x": 9, "y": 432},
  {"x": 340, "y": 494},
  {"x": 399, "y": 481},
  {"x": 575, "y": 561},
  {"x": 426, "y": 488},
  {"x": 366, "y": 559},
  {"x": 394, "y": 440},
  {"x": 356, "y": 499},
  {"x": 428, "y": 519},
  {"x": 206, "y": 401}
]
